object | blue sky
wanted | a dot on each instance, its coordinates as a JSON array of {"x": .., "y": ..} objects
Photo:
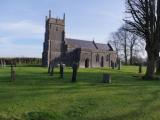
[{"x": 22, "y": 22}]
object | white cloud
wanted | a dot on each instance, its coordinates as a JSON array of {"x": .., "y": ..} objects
[
  {"x": 22, "y": 27},
  {"x": 10, "y": 49},
  {"x": 15, "y": 35},
  {"x": 4, "y": 40}
]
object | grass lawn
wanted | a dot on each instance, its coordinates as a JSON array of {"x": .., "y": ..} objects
[{"x": 37, "y": 96}]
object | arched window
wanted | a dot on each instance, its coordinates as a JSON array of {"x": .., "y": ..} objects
[
  {"x": 107, "y": 57},
  {"x": 87, "y": 63},
  {"x": 97, "y": 58}
]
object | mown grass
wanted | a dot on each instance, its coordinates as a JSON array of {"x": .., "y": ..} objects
[{"x": 37, "y": 96}]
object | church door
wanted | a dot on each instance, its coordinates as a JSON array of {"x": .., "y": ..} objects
[
  {"x": 87, "y": 63},
  {"x": 102, "y": 61}
]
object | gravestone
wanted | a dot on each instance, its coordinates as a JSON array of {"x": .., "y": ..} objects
[
  {"x": 52, "y": 70},
  {"x": 1, "y": 62},
  {"x": 61, "y": 70},
  {"x": 13, "y": 74},
  {"x": 106, "y": 78},
  {"x": 14, "y": 63},
  {"x": 74, "y": 74},
  {"x": 4, "y": 64},
  {"x": 140, "y": 68},
  {"x": 119, "y": 64},
  {"x": 113, "y": 66},
  {"x": 49, "y": 69}
]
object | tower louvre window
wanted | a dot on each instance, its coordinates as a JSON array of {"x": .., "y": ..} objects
[{"x": 50, "y": 26}]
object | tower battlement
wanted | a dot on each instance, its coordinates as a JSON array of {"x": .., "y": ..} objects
[
  {"x": 52, "y": 20},
  {"x": 56, "y": 21}
]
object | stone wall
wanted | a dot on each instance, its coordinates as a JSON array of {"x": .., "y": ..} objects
[{"x": 97, "y": 59}]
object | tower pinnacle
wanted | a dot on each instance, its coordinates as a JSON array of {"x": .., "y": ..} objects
[
  {"x": 50, "y": 13},
  {"x": 64, "y": 16}
]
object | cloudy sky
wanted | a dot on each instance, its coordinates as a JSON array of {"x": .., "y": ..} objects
[{"x": 22, "y": 22}]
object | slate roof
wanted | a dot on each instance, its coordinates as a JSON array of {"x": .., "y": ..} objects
[
  {"x": 75, "y": 43},
  {"x": 106, "y": 47}
]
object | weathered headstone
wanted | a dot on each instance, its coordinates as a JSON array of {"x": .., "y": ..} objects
[
  {"x": 1, "y": 62},
  {"x": 52, "y": 70},
  {"x": 14, "y": 63},
  {"x": 113, "y": 65},
  {"x": 140, "y": 68},
  {"x": 106, "y": 78},
  {"x": 61, "y": 70},
  {"x": 119, "y": 64},
  {"x": 4, "y": 63},
  {"x": 74, "y": 74},
  {"x": 13, "y": 74},
  {"x": 49, "y": 69}
]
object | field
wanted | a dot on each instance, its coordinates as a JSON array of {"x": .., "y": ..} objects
[{"x": 37, "y": 96}]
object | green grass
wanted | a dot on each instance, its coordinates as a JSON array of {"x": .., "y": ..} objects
[{"x": 37, "y": 96}]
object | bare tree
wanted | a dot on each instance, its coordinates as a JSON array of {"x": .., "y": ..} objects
[
  {"x": 122, "y": 39},
  {"x": 115, "y": 43},
  {"x": 123, "y": 36},
  {"x": 119, "y": 41},
  {"x": 126, "y": 44},
  {"x": 144, "y": 21},
  {"x": 133, "y": 39}
]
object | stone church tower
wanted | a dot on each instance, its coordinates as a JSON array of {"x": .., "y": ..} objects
[{"x": 54, "y": 39}]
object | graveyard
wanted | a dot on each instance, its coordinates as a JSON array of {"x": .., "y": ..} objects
[
  {"x": 35, "y": 95},
  {"x": 85, "y": 60}
]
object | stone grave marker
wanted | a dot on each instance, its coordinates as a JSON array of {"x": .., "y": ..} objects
[
  {"x": 52, "y": 70},
  {"x": 119, "y": 64},
  {"x": 74, "y": 74},
  {"x": 13, "y": 74},
  {"x": 113, "y": 66},
  {"x": 61, "y": 70},
  {"x": 1, "y": 62},
  {"x": 4, "y": 63},
  {"x": 106, "y": 78},
  {"x": 49, "y": 69},
  {"x": 140, "y": 68}
]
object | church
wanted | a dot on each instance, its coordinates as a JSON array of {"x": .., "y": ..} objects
[{"x": 59, "y": 49}]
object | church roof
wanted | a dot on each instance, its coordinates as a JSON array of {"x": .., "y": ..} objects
[
  {"x": 75, "y": 43},
  {"x": 106, "y": 47}
]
